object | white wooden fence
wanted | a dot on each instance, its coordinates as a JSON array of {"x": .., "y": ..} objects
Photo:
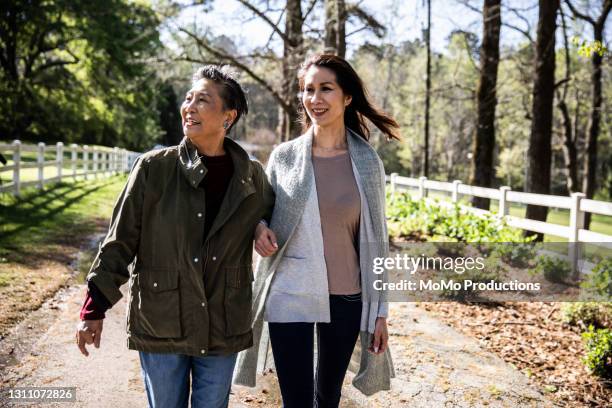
[
  {"x": 577, "y": 205},
  {"x": 85, "y": 162}
]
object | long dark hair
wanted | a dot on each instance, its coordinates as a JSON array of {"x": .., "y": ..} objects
[{"x": 360, "y": 107}]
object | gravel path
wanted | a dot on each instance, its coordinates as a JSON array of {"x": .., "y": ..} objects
[{"x": 435, "y": 365}]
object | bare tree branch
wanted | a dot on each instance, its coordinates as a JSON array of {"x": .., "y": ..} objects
[
  {"x": 265, "y": 18},
  {"x": 578, "y": 14},
  {"x": 238, "y": 64},
  {"x": 368, "y": 19},
  {"x": 310, "y": 8}
]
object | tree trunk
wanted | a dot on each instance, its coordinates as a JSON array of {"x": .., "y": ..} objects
[
  {"x": 539, "y": 152},
  {"x": 335, "y": 27},
  {"x": 293, "y": 55},
  {"x": 570, "y": 153},
  {"x": 483, "y": 172},
  {"x": 589, "y": 182},
  {"x": 427, "y": 93}
]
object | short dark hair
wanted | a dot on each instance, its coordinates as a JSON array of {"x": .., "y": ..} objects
[
  {"x": 231, "y": 92},
  {"x": 360, "y": 107}
]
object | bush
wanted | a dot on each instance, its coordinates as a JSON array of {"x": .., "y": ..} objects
[
  {"x": 554, "y": 269},
  {"x": 599, "y": 281},
  {"x": 598, "y": 347},
  {"x": 518, "y": 254},
  {"x": 431, "y": 218},
  {"x": 585, "y": 314}
]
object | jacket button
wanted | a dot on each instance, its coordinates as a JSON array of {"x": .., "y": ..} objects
[
  {"x": 203, "y": 304},
  {"x": 201, "y": 171},
  {"x": 196, "y": 260},
  {"x": 203, "y": 351},
  {"x": 214, "y": 258},
  {"x": 154, "y": 284},
  {"x": 199, "y": 215},
  {"x": 242, "y": 181}
]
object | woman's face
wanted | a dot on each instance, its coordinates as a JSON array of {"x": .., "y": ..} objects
[
  {"x": 323, "y": 98},
  {"x": 202, "y": 111}
]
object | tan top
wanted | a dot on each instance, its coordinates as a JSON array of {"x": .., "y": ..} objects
[{"x": 340, "y": 209}]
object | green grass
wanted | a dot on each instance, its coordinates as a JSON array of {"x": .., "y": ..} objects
[{"x": 63, "y": 211}]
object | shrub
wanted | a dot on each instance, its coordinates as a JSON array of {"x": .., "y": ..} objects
[
  {"x": 599, "y": 281},
  {"x": 598, "y": 345},
  {"x": 554, "y": 269},
  {"x": 585, "y": 314}
]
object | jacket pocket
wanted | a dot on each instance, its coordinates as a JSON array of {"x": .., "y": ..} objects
[
  {"x": 293, "y": 276},
  {"x": 158, "y": 304},
  {"x": 238, "y": 300}
]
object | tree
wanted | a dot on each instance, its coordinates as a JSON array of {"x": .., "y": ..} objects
[
  {"x": 76, "y": 70},
  {"x": 589, "y": 179},
  {"x": 570, "y": 152},
  {"x": 539, "y": 151},
  {"x": 427, "y": 92},
  {"x": 335, "y": 27},
  {"x": 169, "y": 116},
  {"x": 293, "y": 56},
  {"x": 483, "y": 172}
]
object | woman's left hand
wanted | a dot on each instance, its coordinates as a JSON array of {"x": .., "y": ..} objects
[{"x": 381, "y": 336}]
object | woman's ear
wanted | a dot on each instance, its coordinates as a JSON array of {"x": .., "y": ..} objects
[
  {"x": 230, "y": 116},
  {"x": 347, "y": 100}
]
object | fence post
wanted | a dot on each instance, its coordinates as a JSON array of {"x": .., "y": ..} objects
[
  {"x": 455, "y": 196},
  {"x": 40, "y": 160},
  {"x": 73, "y": 159},
  {"x": 85, "y": 162},
  {"x": 393, "y": 177},
  {"x": 115, "y": 168},
  {"x": 95, "y": 161},
  {"x": 17, "y": 163},
  {"x": 504, "y": 208},
  {"x": 60, "y": 159},
  {"x": 576, "y": 223},
  {"x": 422, "y": 191}
]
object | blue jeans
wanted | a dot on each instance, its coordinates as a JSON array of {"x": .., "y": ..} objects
[{"x": 166, "y": 378}]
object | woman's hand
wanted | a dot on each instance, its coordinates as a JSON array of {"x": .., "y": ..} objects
[
  {"x": 265, "y": 240},
  {"x": 88, "y": 332},
  {"x": 381, "y": 336}
]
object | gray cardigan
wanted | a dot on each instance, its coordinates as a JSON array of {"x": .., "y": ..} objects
[{"x": 298, "y": 266}]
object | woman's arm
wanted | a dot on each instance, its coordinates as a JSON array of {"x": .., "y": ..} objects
[{"x": 110, "y": 267}]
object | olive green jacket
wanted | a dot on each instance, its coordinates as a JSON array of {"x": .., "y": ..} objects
[{"x": 188, "y": 294}]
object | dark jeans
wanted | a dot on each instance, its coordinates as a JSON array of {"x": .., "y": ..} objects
[{"x": 293, "y": 348}]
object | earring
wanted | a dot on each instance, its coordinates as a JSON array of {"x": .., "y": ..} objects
[{"x": 225, "y": 125}]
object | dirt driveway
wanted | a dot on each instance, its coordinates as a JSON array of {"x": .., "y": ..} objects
[{"x": 436, "y": 366}]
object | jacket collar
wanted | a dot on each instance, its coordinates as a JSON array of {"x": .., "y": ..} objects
[{"x": 194, "y": 170}]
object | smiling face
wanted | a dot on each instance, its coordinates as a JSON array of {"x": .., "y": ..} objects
[
  {"x": 203, "y": 113},
  {"x": 323, "y": 98}
]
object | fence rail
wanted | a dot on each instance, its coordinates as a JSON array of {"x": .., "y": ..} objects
[
  {"x": 577, "y": 205},
  {"x": 84, "y": 161}
]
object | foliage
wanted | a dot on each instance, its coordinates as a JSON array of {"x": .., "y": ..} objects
[
  {"x": 599, "y": 281},
  {"x": 553, "y": 268},
  {"x": 432, "y": 218},
  {"x": 585, "y": 314},
  {"x": 598, "y": 345},
  {"x": 78, "y": 71},
  {"x": 586, "y": 49}
]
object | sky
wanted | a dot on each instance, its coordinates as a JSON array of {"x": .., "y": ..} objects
[{"x": 405, "y": 20}]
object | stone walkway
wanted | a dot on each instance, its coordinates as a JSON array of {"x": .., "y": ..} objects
[{"x": 435, "y": 365}]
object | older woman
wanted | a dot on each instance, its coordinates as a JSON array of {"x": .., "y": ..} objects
[
  {"x": 330, "y": 224},
  {"x": 186, "y": 218}
]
